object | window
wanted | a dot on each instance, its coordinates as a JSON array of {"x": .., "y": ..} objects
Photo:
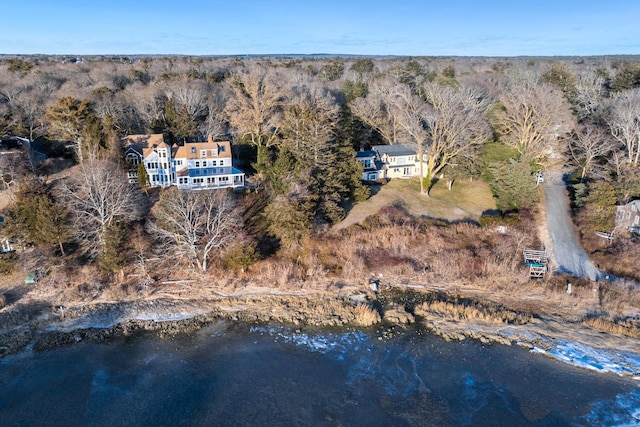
[
  {"x": 224, "y": 178},
  {"x": 214, "y": 152},
  {"x": 204, "y": 164},
  {"x": 197, "y": 164},
  {"x": 221, "y": 162},
  {"x": 203, "y": 153},
  {"x": 222, "y": 148},
  {"x": 193, "y": 150},
  {"x": 367, "y": 163},
  {"x": 214, "y": 163}
]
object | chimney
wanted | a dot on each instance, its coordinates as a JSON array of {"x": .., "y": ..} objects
[{"x": 209, "y": 139}]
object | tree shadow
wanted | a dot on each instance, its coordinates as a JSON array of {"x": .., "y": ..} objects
[{"x": 21, "y": 313}]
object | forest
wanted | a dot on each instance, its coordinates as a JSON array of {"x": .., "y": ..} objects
[{"x": 296, "y": 124}]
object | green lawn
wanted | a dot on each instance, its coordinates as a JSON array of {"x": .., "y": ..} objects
[{"x": 465, "y": 200}]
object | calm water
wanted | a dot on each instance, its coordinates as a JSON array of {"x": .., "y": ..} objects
[{"x": 235, "y": 375}]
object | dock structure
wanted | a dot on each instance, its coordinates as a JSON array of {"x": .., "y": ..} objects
[{"x": 537, "y": 260}]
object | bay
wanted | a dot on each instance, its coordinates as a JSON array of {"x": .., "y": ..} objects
[{"x": 239, "y": 375}]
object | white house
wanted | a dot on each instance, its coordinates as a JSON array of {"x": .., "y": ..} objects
[
  {"x": 192, "y": 166},
  {"x": 201, "y": 165},
  {"x": 389, "y": 161},
  {"x": 371, "y": 165}
]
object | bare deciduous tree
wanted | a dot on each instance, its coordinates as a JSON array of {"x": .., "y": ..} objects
[
  {"x": 148, "y": 102},
  {"x": 378, "y": 111},
  {"x": 533, "y": 118},
  {"x": 456, "y": 125},
  {"x": 589, "y": 144},
  {"x": 589, "y": 93},
  {"x": 216, "y": 123},
  {"x": 623, "y": 119},
  {"x": 192, "y": 224},
  {"x": 255, "y": 107},
  {"x": 98, "y": 195},
  {"x": 412, "y": 118},
  {"x": 189, "y": 94}
]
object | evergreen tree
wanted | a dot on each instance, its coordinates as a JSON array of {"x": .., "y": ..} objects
[
  {"x": 179, "y": 122},
  {"x": 72, "y": 119},
  {"x": 627, "y": 77},
  {"x": 38, "y": 218},
  {"x": 112, "y": 256},
  {"x": 514, "y": 185},
  {"x": 600, "y": 207},
  {"x": 143, "y": 177},
  {"x": 559, "y": 75}
]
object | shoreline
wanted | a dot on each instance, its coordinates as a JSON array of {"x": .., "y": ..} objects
[{"x": 446, "y": 314}]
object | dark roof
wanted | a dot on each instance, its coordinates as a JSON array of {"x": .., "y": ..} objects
[
  {"x": 365, "y": 153},
  {"x": 394, "y": 150},
  {"x": 9, "y": 143},
  {"x": 220, "y": 171}
]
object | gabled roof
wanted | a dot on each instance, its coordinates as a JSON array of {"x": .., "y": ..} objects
[
  {"x": 145, "y": 144},
  {"x": 394, "y": 150},
  {"x": 191, "y": 150}
]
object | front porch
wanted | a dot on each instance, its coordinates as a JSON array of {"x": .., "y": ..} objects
[{"x": 211, "y": 178}]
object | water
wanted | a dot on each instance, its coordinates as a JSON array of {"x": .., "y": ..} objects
[{"x": 236, "y": 375}]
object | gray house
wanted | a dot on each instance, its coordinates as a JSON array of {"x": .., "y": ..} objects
[{"x": 628, "y": 217}]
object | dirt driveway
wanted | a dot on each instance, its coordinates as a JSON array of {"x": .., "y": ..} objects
[{"x": 569, "y": 256}]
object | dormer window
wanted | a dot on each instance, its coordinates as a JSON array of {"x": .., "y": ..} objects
[
  {"x": 193, "y": 150},
  {"x": 203, "y": 153}
]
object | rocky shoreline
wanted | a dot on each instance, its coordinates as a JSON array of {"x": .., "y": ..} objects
[{"x": 448, "y": 316}]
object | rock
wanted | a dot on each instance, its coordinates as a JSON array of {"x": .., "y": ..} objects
[{"x": 397, "y": 315}]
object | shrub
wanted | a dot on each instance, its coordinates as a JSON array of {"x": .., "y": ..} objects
[
  {"x": 241, "y": 257},
  {"x": 7, "y": 263}
]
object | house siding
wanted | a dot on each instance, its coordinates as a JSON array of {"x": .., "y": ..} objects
[{"x": 194, "y": 166}]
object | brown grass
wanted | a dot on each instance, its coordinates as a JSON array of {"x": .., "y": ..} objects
[
  {"x": 365, "y": 315},
  {"x": 629, "y": 327},
  {"x": 471, "y": 312},
  {"x": 618, "y": 257},
  {"x": 466, "y": 200}
]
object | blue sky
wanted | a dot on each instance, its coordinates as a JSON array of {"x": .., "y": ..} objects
[{"x": 392, "y": 27}]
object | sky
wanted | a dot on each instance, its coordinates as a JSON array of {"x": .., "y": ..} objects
[{"x": 356, "y": 27}]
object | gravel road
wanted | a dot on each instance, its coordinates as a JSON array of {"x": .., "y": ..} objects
[{"x": 569, "y": 256}]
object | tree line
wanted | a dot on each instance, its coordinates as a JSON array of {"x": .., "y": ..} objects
[{"x": 297, "y": 123}]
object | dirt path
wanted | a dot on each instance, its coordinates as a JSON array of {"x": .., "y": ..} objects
[{"x": 568, "y": 255}]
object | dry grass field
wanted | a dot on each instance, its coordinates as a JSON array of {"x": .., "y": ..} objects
[{"x": 466, "y": 200}]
